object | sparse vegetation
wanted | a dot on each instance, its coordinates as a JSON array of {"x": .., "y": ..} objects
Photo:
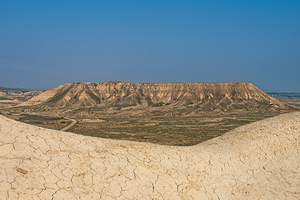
[
  {"x": 54, "y": 118},
  {"x": 158, "y": 104}
]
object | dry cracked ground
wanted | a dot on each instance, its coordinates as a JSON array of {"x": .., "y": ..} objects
[{"x": 256, "y": 161}]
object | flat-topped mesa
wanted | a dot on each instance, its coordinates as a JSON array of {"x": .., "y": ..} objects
[{"x": 202, "y": 95}]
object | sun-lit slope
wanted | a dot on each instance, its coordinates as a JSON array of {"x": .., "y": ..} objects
[
  {"x": 257, "y": 161},
  {"x": 205, "y": 96}
]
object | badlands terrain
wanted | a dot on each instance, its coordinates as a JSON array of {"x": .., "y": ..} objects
[
  {"x": 162, "y": 113},
  {"x": 257, "y": 161},
  {"x": 220, "y": 141},
  {"x": 15, "y": 96},
  {"x": 207, "y": 96}
]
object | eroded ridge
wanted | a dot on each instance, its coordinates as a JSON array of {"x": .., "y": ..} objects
[
  {"x": 257, "y": 161},
  {"x": 204, "y": 96}
]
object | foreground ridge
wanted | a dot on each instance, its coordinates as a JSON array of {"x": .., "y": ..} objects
[{"x": 255, "y": 161}]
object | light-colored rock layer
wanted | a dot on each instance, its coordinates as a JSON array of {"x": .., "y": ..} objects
[
  {"x": 257, "y": 161},
  {"x": 131, "y": 94}
]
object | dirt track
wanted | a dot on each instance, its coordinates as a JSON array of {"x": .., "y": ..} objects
[{"x": 73, "y": 122}]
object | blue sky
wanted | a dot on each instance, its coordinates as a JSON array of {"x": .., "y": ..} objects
[{"x": 44, "y": 44}]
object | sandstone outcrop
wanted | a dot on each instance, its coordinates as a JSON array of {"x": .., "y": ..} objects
[
  {"x": 256, "y": 161},
  {"x": 205, "y": 96}
]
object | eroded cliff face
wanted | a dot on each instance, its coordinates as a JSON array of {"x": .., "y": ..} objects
[{"x": 207, "y": 96}]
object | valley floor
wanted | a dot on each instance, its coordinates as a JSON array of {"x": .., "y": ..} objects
[{"x": 159, "y": 125}]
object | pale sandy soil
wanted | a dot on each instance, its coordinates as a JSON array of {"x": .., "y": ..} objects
[{"x": 257, "y": 161}]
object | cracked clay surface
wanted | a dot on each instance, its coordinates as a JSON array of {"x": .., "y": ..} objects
[{"x": 257, "y": 161}]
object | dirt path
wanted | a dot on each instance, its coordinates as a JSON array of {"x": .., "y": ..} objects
[{"x": 73, "y": 122}]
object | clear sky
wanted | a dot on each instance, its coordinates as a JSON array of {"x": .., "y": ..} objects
[{"x": 44, "y": 44}]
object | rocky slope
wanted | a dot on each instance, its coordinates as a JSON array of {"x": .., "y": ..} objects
[
  {"x": 256, "y": 161},
  {"x": 205, "y": 96}
]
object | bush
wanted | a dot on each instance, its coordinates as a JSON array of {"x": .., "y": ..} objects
[{"x": 158, "y": 104}]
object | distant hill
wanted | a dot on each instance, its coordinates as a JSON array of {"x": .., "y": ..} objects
[
  {"x": 291, "y": 98},
  {"x": 285, "y": 95},
  {"x": 13, "y": 96},
  {"x": 15, "y": 89},
  {"x": 203, "y": 96}
]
